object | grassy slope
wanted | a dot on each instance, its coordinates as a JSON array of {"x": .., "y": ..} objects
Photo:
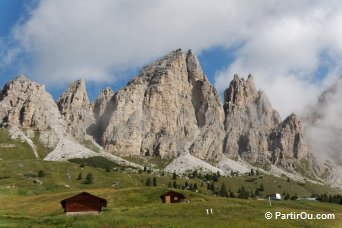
[
  {"x": 141, "y": 207},
  {"x": 25, "y": 204}
]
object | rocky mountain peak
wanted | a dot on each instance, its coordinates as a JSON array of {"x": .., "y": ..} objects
[
  {"x": 75, "y": 96},
  {"x": 101, "y": 102},
  {"x": 194, "y": 69},
  {"x": 76, "y": 109},
  {"x": 170, "y": 108},
  {"x": 26, "y": 105},
  {"x": 240, "y": 93}
]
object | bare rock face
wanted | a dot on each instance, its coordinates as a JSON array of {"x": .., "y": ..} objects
[
  {"x": 249, "y": 120},
  {"x": 101, "y": 102},
  {"x": 287, "y": 143},
  {"x": 170, "y": 108},
  {"x": 26, "y": 104},
  {"x": 76, "y": 109},
  {"x": 255, "y": 132}
]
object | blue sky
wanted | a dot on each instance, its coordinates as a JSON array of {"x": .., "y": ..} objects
[
  {"x": 293, "y": 49},
  {"x": 15, "y": 11}
]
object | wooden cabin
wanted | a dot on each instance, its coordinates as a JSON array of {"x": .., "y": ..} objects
[
  {"x": 172, "y": 197},
  {"x": 83, "y": 203}
]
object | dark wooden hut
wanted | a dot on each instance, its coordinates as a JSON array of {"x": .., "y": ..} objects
[
  {"x": 172, "y": 197},
  {"x": 83, "y": 203}
]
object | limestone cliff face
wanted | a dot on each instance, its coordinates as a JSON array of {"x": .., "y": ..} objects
[
  {"x": 101, "y": 102},
  {"x": 26, "y": 104},
  {"x": 249, "y": 120},
  {"x": 287, "y": 142},
  {"x": 170, "y": 108},
  {"x": 255, "y": 132},
  {"x": 76, "y": 109}
]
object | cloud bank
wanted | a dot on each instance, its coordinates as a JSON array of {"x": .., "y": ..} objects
[
  {"x": 324, "y": 129},
  {"x": 292, "y": 48}
]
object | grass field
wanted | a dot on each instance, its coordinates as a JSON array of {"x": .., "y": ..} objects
[
  {"x": 26, "y": 202},
  {"x": 141, "y": 207}
]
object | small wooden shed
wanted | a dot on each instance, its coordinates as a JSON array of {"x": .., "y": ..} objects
[
  {"x": 83, "y": 203},
  {"x": 172, "y": 197}
]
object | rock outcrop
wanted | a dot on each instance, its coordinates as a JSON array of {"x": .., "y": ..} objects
[
  {"x": 287, "y": 143},
  {"x": 249, "y": 120},
  {"x": 169, "y": 109},
  {"x": 28, "y": 105},
  {"x": 76, "y": 109},
  {"x": 255, "y": 132},
  {"x": 101, "y": 102}
]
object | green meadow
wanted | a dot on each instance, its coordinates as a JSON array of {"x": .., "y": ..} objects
[{"x": 30, "y": 200}]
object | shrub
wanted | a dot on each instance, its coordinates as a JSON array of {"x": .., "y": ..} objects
[
  {"x": 41, "y": 173},
  {"x": 148, "y": 182},
  {"x": 89, "y": 179}
]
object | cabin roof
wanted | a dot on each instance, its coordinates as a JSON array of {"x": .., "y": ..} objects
[
  {"x": 172, "y": 192},
  {"x": 104, "y": 201}
]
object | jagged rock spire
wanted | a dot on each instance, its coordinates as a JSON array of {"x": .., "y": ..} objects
[
  {"x": 75, "y": 107},
  {"x": 101, "y": 102}
]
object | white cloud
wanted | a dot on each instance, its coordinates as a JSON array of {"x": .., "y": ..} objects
[
  {"x": 325, "y": 131},
  {"x": 279, "y": 42}
]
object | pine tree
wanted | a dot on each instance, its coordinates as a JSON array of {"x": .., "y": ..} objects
[
  {"x": 194, "y": 174},
  {"x": 154, "y": 181},
  {"x": 223, "y": 190},
  {"x": 232, "y": 195},
  {"x": 215, "y": 177},
  {"x": 287, "y": 196},
  {"x": 191, "y": 187},
  {"x": 195, "y": 186},
  {"x": 148, "y": 182},
  {"x": 145, "y": 168},
  {"x": 212, "y": 187},
  {"x": 169, "y": 185},
  {"x": 41, "y": 173},
  {"x": 257, "y": 172},
  {"x": 174, "y": 184},
  {"x": 261, "y": 188},
  {"x": 218, "y": 174},
  {"x": 252, "y": 172},
  {"x": 186, "y": 184},
  {"x": 89, "y": 179},
  {"x": 243, "y": 194},
  {"x": 174, "y": 176}
]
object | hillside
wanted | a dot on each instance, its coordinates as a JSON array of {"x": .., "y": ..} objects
[
  {"x": 169, "y": 111},
  {"x": 132, "y": 204}
]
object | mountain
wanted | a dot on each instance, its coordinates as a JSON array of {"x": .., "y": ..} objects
[
  {"x": 76, "y": 109},
  {"x": 169, "y": 111},
  {"x": 27, "y": 111},
  {"x": 255, "y": 132}
]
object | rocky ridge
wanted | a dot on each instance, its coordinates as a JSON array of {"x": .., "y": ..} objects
[
  {"x": 76, "y": 109},
  {"x": 255, "y": 132},
  {"x": 27, "y": 109},
  {"x": 169, "y": 110}
]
